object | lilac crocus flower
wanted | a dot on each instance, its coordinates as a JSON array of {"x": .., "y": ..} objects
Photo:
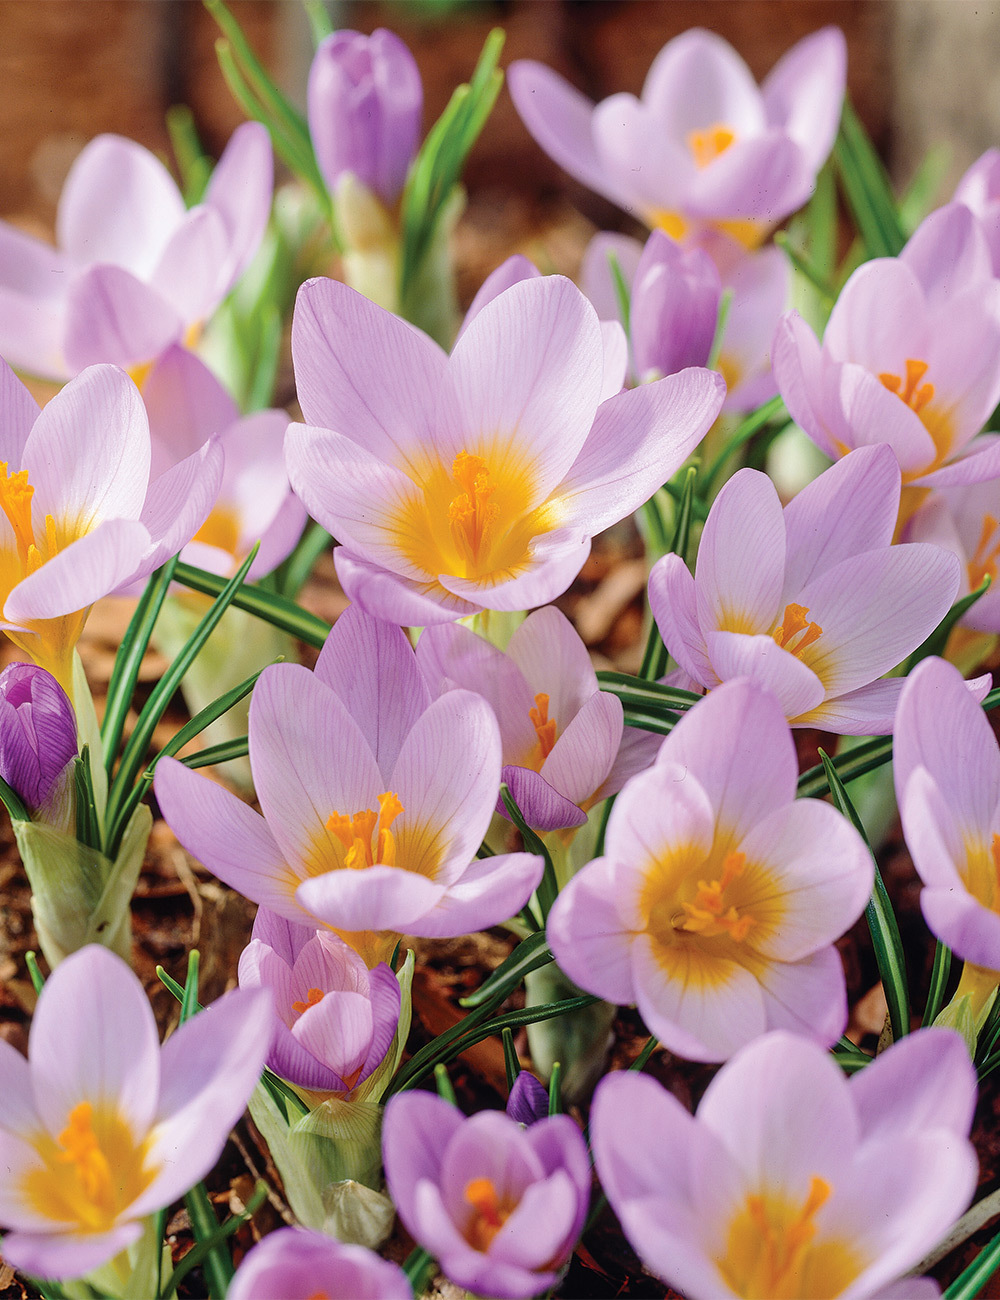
[
  {"x": 355, "y": 767},
  {"x": 811, "y": 601},
  {"x": 703, "y": 148},
  {"x": 134, "y": 270},
  {"x": 187, "y": 407},
  {"x": 475, "y": 481},
  {"x": 910, "y": 357},
  {"x": 947, "y": 772},
  {"x": 499, "y": 1205},
  {"x": 80, "y": 515},
  {"x": 37, "y": 732},
  {"x": 791, "y": 1180},
  {"x": 335, "y": 1018},
  {"x": 979, "y": 190},
  {"x": 100, "y": 1127},
  {"x": 675, "y": 295},
  {"x": 565, "y": 745},
  {"x": 365, "y": 101},
  {"x": 966, "y": 521},
  {"x": 300, "y": 1264},
  {"x": 719, "y": 896}
]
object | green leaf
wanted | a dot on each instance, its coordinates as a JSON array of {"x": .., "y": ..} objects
[
  {"x": 971, "y": 1280},
  {"x": 88, "y": 824},
  {"x": 189, "y": 1000},
  {"x": 443, "y": 1084},
  {"x": 238, "y": 747},
  {"x": 866, "y": 188},
  {"x": 530, "y": 954},
  {"x": 921, "y": 195},
  {"x": 725, "y": 303},
  {"x": 292, "y": 575},
  {"x": 654, "y": 659},
  {"x": 37, "y": 978},
  {"x": 319, "y": 20},
  {"x": 511, "y": 1065},
  {"x": 850, "y": 1057},
  {"x": 622, "y": 295},
  {"x": 193, "y": 163},
  {"x": 802, "y": 264},
  {"x": 939, "y": 980},
  {"x": 771, "y": 411},
  {"x": 863, "y": 758},
  {"x": 555, "y": 1088},
  {"x": 266, "y": 605},
  {"x": 881, "y": 920},
  {"x": 13, "y": 802},
  {"x": 419, "y": 1269}
]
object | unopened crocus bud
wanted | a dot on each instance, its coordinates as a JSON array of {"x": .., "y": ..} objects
[
  {"x": 365, "y": 102},
  {"x": 529, "y": 1100},
  {"x": 37, "y": 732}
]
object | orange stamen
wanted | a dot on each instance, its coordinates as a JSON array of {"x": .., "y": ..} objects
[
  {"x": 15, "y": 501},
  {"x": 490, "y": 1213},
  {"x": 784, "y": 1244},
  {"x": 707, "y": 145},
  {"x": 471, "y": 514},
  {"x": 707, "y": 914},
  {"x": 545, "y": 727},
  {"x": 314, "y": 997},
  {"x": 911, "y": 391},
  {"x": 358, "y": 832},
  {"x": 984, "y": 560},
  {"x": 793, "y": 624}
]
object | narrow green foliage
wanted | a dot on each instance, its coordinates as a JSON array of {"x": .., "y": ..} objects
[
  {"x": 319, "y": 20},
  {"x": 622, "y": 295},
  {"x": 939, "y": 981},
  {"x": 88, "y": 824},
  {"x": 548, "y": 887},
  {"x": 849, "y": 1057},
  {"x": 880, "y": 917},
  {"x": 212, "y": 1243},
  {"x": 772, "y": 411},
  {"x": 811, "y": 272},
  {"x": 238, "y": 747},
  {"x": 922, "y": 194},
  {"x": 216, "y": 1259},
  {"x": 13, "y": 802},
  {"x": 37, "y": 978},
  {"x": 640, "y": 1061},
  {"x": 443, "y": 1084},
  {"x": 813, "y": 783},
  {"x": 193, "y": 163},
  {"x": 292, "y": 574},
  {"x": 189, "y": 1002},
  {"x": 971, "y": 1280},
  {"x": 530, "y": 954},
  {"x": 266, "y": 605},
  {"x": 866, "y": 188},
  {"x": 654, "y": 659},
  {"x": 725, "y": 303},
  {"x": 555, "y": 1087},
  {"x": 419, "y": 1269},
  {"x": 128, "y": 660},
  {"x": 511, "y": 1065}
]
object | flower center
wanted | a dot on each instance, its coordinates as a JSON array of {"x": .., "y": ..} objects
[
  {"x": 472, "y": 514},
  {"x": 918, "y": 397},
  {"x": 910, "y": 390},
  {"x": 313, "y": 998},
  {"x": 984, "y": 560},
  {"x": 795, "y": 632},
  {"x": 545, "y": 730},
  {"x": 91, "y": 1174},
  {"x": 221, "y": 529},
  {"x": 772, "y": 1252},
  {"x": 707, "y": 914},
  {"x": 490, "y": 1213},
  {"x": 708, "y": 144},
  {"x": 15, "y": 501},
  {"x": 366, "y": 836}
]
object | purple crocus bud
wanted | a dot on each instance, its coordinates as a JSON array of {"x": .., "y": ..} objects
[
  {"x": 529, "y": 1100},
  {"x": 979, "y": 190},
  {"x": 365, "y": 104},
  {"x": 500, "y": 1206},
  {"x": 336, "y": 1018},
  {"x": 752, "y": 1196},
  {"x": 37, "y": 731},
  {"x": 300, "y": 1264}
]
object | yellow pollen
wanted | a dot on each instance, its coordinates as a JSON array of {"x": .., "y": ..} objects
[
  {"x": 707, "y": 914},
  {"x": 314, "y": 997},
  {"x": 782, "y": 1244},
  {"x": 984, "y": 560},
  {"x": 794, "y": 624},
  {"x": 911, "y": 391},
  {"x": 82, "y": 1150},
  {"x": 490, "y": 1213},
  {"x": 707, "y": 145},
  {"x": 545, "y": 727},
  {"x": 471, "y": 514},
  {"x": 357, "y": 833},
  {"x": 15, "y": 501}
]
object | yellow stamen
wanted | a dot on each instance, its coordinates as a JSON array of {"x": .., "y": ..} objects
[
  {"x": 358, "y": 832},
  {"x": 707, "y": 914},
  {"x": 783, "y": 1240},
  {"x": 911, "y": 391},
  {"x": 15, "y": 501},
  {"x": 490, "y": 1213},
  {"x": 545, "y": 727},
  {"x": 471, "y": 513},
  {"x": 794, "y": 624},
  {"x": 314, "y": 997},
  {"x": 707, "y": 145},
  {"x": 984, "y": 559},
  {"x": 81, "y": 1149}
]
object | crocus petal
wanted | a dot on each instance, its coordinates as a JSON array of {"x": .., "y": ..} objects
[
  {"x": 50, "y": 1255},
  {"x": 489, "y": 892},
  {"x": 638, "y": 441},
  {"x": 807, "y": 997},
  {"x": 375, "y": 898},
  {"x": 338, "y": 1028},
  {"x": 939, "y": 838},
  {"x": 549, "y": 652},
  {"x": 19, "y": 1114},
  {"x": 979, "y": 463},
  {"x": 240, "y": 192},
  {"x": 615, "y": 342},
  {"x": 581, "y": 757},
  {"x": 587, "y": 934},
  {"x": 113, "y": 316},
  {"x": 803, "y": 92},
  {"x": 595, "y": 272},
  {"x": 948, "y": 252},
  {"x": 371, "y": 666},
  {"x": 673, "y": 602},
  {"x": 880, "y": 315},
  {"x": 18, "y": 413},
  {"x": 187, "y": 274},
  {"x": 76, "y": 1051},
  {"x": 186, "y": 405},
  {"x": 416, "y": 1131},
  {"x": 698, "y": 79},
  {"x": 970, "y": 930},
  {"x": 232, "y": 840},
  {"x": 740, "y": 580},
  {"x": 87, "y": 569},
  {"x": 180, "y": 500},
  {"x": 759, "y": 179},
  {"x": 799, "y": 364},
  {"x": 341, "y": 343},
  {"x": 398, "y": 600},
  {"x": 539, "y": 1226},
  {"x": 867, "y": 711},
  {"x": 513, "y": 271},
  {"x": 31, "y": 330},
  {"x": 794, "y": 685},
  {"x": 926, "y": 1081},
  {"x": 543, "y": 807}
]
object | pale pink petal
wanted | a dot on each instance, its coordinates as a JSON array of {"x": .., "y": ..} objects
[
  {"x": 864, "y": 411},
  {"x": 796, "y": 687},
  {"x": 867, "y": 711},
  {"x": 240, "y": 192},
  {"x": 185, "y": 404},
  {"x": 399, "y": 600},
  {"x": 549, "y": 652},
  {"x": 979, "y": 463},
  {"x": 490, "y": 892},
  {"x": 371, "y": 666},
  {"x": 880, "y": 318},
  {"x": 615, "y": 342},
  {"x": 948, "y": 253},
  {"x": 364, "y": 372},
  {"x": 963, "y": 924},
  {"x": 636, "y": 753},
  {"x": 526, "y": 378},
  {"x": 799, "y": 364},
  {"x": 83, "y": 572},
  {"x": 187, "y": 274},
  {"x": 373, "y": 898},
  {"x": 807, "y": 997},
  {"x": 18, "y": 413},
  {"x": 582, "y": 756},
  {"x": 180, "y": 500},
  {"x": 595, "y": 272},
  {"x": 762, "y": 179},
  {"x": 741, "y": 557},
  {"x": 19, "y": 1113},
  {"x": 544, "y": 1218},
  {"x": 337, "y": 1029},
  {"x": 53, "y": 1255},
  {"x": 88, "y": 454},
  {"x": 926, "y": 1081},
  {"x": 642, "y": 163},
  {"x": 673, "y": 602},
  {"x": 804, "y": 90},
  {"x": 586, "y": 932},
  {"x": 554, "y": 560},
  {"x": 113, "y": 316},
  {"x": 939, "y": 836},
  {"x": 513, "y": 271},
  {"x": 638, "y": 441},
  {"x": 78, "y": 1050},
  {"x": 698, "y": 80},
  {"x": 119, "y": 205},
  {"x": 31, "y": 333}
]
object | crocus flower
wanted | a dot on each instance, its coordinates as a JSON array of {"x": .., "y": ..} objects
[
  {"x": 810, "y": 601},
  {"x": 475, "y": 481},
  {"x": 499, "y": 1205},
  {"x": 719, "y": 896},
  {"x": 365, "y": 101},
  {"x": 703, "y": 148},
  {"x": 80, "y": 514},
  {"x": 300, "y": 1264},
  {"x": 565, "y": 744},
  {"x": 529, "y": 1099},
  {"x": 134, "y": 270},
  {"x": 675, "y": 296},
  {"x": 979, "y": 190},
  {"x": 335, "y": 1018},
  {"x": 100, "y": 1128},
  {"x": 37, "y": 732},
  {"x": 355, "y": 768},
  {"x": 187, "y": 407},
  {"x": 947, "y": 772},
  {"x": 792, "y": 1181},
  {"x": 910, "y": 357}
]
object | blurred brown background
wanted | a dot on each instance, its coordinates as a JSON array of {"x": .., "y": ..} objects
[{"x": 919, "y": 69}]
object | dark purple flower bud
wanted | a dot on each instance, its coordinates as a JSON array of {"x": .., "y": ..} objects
[
  {"x": 37, "y": 731},
  {"x": 365, "y": 104},
  {"x": 529, "y": 1100}
]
